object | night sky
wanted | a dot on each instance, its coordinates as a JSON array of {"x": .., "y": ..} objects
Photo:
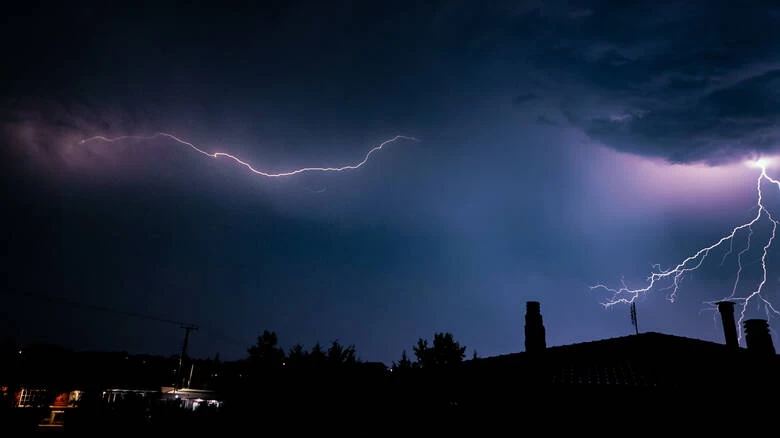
[{"x": 562, "y": 145}]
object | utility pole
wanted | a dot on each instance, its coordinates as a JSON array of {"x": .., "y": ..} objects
[
  {"x": 633, "y": 317},
  {"x": 189, "y": 380},
  {"x": 187, "y": 329}
]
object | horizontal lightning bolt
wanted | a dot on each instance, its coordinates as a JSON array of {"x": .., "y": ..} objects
[
  {"x": 246, "y": 164},
  {"x": 627, "y": 295}
]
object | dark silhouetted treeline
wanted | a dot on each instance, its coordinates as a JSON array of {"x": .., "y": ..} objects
[{"x": 319, "y": 384}]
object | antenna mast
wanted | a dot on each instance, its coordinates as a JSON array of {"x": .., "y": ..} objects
[{"x": 633, "y": 317}]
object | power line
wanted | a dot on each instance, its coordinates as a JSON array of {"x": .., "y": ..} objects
[
  {"x": 132, "y": 314},
  {"x": 103, "y": 308}
]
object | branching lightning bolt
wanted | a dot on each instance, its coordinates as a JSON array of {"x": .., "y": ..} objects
[
  {"x": 365, "y": 159},
  {"x": 627, "y": 295}
]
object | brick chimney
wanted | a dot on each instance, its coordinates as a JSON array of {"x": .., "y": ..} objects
[
  {"x": 757, "y": 336},
  {"x": 534, "y": 329},
  {"x": 726, "y": 309}
]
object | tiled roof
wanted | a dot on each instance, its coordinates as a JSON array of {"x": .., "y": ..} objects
[{"x": 644, "y": 360}]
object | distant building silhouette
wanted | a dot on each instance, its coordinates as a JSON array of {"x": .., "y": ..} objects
[
  {"x": 534, "y": 328},
  {"x": 649, "y": 371}
]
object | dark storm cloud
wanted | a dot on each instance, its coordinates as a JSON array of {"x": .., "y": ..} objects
[
  {"x": 49, "y": 131},
  {"x": 523, "y": 98},
  {"x": 693, "y": 82},
  {"x": 542, "y": 120}
]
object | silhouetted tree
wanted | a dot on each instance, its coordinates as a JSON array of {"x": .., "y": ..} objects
[
  {"x": 266, "y": 353},
  {"x": 474, "y": 356},
  {"x": 297, "y": 356},
  {"x": 404, "y": 363},
  {"x": 317, "y": 355},
  {"x": 445, "y": 351},
  {"x": 422, "y": 352},
  {"x": 339, "y": 355}
]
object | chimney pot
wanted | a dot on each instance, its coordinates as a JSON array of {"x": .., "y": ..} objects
[
  {"x": 726, "y": 309},
  {"x": 534, "y": 328},
  {"x": 757, "y": 336}
]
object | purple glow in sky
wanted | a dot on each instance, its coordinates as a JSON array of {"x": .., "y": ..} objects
[{"x": 670, "y": 279}]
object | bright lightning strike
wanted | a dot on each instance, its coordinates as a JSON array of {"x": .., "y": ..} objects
[
  {"x": 246, "y": 164},
  {"x": 627, "y": 295}
]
